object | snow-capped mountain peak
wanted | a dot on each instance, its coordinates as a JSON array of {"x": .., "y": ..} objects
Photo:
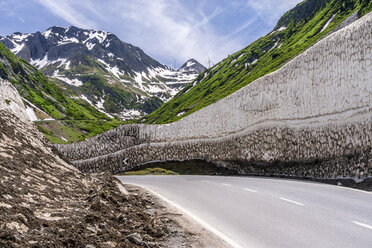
[
  {"x": 80, "y": 57},
  {"x": 192, "y": 66}
]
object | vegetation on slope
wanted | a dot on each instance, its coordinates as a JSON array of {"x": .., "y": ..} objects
[
  {"x": 296, "y": 31},
  {"x": 150, "y": 171}
]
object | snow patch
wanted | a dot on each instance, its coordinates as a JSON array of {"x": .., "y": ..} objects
[
  {"x": 19, "y": 37},
  {"x": 278, "y": 30},
  {"x": 31, "y": 114},
  {"x": 74, "y": 82},
  {"x": 153, "y": 89},
  {"x": 190, "y": 63},
  {"x": 34, "y": 107},
  {"x": 90, "y": 45},
  {"x": 47, "y": 33},
  {"x": 40, "y": 63},
  {"x": 17, "y": 48},
  {"x": 327, "y": 24},
  {"x": 181, "y": 113},
  {"x": 86, "y": 99},
  {"x": 114, "y": 70},
  {"x": 276, "y": 43},
  {"x": 100, "y": 36},
  {"x": 67, "y": 40},
  {"x": 99, "y": 105},
  {"x": 101, "y": 102},
  {"x": 130, "y": 113},
  {"x": 63, "y": 62}
]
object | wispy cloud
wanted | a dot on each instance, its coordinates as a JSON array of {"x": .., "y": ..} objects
[
  {"x": 21, "y": 19},
  {"x": 67, "y": 10},
  {"x": 241, "y": 28},
  {"x": 271, "y": 9},
  {"x": 174, "y": 29}
]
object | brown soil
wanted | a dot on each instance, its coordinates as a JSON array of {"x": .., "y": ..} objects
[{"x": 45, "y": 202}]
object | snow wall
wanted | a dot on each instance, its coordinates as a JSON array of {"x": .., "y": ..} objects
[{"x": 312, "y": 118}]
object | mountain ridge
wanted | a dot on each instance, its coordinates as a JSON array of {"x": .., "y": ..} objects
[
  {"x": 192, "y": 66},
  {"x": 114, "y": 76}
]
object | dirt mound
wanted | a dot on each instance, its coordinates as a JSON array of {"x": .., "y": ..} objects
[{"x": 45, "y": 202}]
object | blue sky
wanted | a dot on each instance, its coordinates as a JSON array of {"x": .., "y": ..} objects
[{"x": 167, "y": 30}]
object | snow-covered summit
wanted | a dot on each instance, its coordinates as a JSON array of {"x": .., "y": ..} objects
[
  {"x": 80, "y": 57},
  {"x": 192, "y": 66}
]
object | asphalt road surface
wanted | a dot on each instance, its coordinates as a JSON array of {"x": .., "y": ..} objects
[{"x": 265, "y": 212}]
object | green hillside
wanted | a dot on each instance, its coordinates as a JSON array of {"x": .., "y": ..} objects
[
  {"x": 75, "y": 119},
  {"x": 296, "y": 31}
]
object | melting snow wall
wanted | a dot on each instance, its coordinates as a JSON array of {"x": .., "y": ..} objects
[{"x": 310, "y": 118}]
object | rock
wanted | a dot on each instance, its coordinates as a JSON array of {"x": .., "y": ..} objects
[
  {"x": 121, "y": 218},
  {"x": 148, "y": 238},
  {"x": 92, "y": 229},
  {"x": 339, "y": 184},
  {"x": 358, "y": 180},
  {"x": 135, "y": 238},
  {"x": 144, "y": 244}
]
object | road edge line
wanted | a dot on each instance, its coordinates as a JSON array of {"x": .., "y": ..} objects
[{"x": 362, "y": 224}]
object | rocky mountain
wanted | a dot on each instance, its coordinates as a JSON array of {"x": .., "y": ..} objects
[
  {"x": 298, "y": 29},
  {"x": 115, "y": 77},
  {"x": 192, "y": 66}
]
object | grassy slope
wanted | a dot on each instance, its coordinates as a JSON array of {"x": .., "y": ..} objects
[
  {"x": 303, "y": 23},
  {"x": 77, "y": 118},
  {"x": 150, "y": 171}
]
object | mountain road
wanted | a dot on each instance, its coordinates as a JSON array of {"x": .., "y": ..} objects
[{"x": 266, "y": 212}]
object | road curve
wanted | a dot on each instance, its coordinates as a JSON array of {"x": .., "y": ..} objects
[{"x": 264, "y": 212}]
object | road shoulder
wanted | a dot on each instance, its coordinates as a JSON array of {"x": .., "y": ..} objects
[{"x": 185, "y": 231}]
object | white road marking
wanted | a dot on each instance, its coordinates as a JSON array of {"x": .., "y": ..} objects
[
  {"x": 206, "y": 181},
  {"x": 294, "y": 202},
  {"x": 225, "y": 184},
  {"x": 363, "y": 225},
  {"x": 308, "y": 182},
  {"x": 250, "y": 190}
]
